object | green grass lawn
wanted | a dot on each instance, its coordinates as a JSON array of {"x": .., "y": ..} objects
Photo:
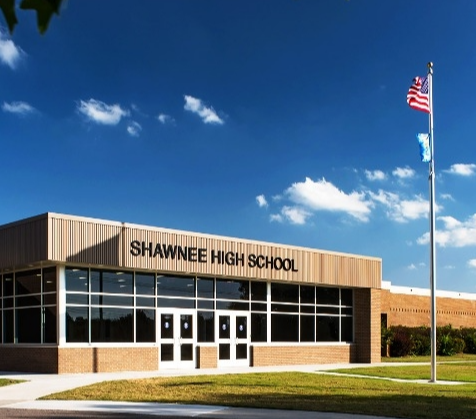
[
  {"x": 445, "y": 359},
  {"x": 295, "y": 391},
  {"x": 457, "y": 371},
  {"x": 7, "y": 382}
]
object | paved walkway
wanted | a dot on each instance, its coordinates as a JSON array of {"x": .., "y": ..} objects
[{"x": 25, "y": 395}]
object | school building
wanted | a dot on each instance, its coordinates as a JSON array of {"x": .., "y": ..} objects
[{"x": 86, "y": 295}]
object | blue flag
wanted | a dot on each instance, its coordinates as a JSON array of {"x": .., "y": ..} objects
[{"x": 425, "y": 153}]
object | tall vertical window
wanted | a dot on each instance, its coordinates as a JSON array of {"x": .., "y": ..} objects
[
  {"x": 259, "y": 308},
  {"x": 77, "y": 305},
  {"x": 206, "y": 314},
  {"x": 49, "y": 305},
  {"x": 7, "y": 320},
  {"x": 284, "y": 313},
  {"x": 145, "y": 307}
]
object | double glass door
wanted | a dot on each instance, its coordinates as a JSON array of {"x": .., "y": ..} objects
[
  {"x": 233, "y": 338},
  {"x": 177, "y": 339}
]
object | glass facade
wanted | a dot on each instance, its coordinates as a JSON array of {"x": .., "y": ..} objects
[
  {"x": 28, "y": 307},
  {"x": 109, "y": 306}
]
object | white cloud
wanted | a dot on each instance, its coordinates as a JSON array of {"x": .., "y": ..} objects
[
  {"x": 375, "y": 175},
  {"x": 102, "y": 113},
  {"x": 454, "y": 233},
  {"x": 402, "y": 210},
  {"x": 134, "y": 128},
  {"x": 403, "y": 172},
  {"x": 462, "y": 169},
  {"x": 164, "y": 119},
  {"x": 472, "y": 263},
  {"x": 324, "y": 196},
  {"x": 208, "y": 115},
  {"x": 261, "y": 200},
  {"x": 446, "y": 196},
  {"x": 413, "y": 267},
  {"x": 276, "y": 217},
  {"x": 295, "y": 215},
  {"x": 449, "y": 267},
  {"x": 10, "y": 54},
  {"x": 450, "y": 222},
  {"x": 20, "y": 108}
]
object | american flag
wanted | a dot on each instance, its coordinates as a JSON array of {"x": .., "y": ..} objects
[{"x": 417, "y": 96}]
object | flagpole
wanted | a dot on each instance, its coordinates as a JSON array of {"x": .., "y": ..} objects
[{"x": 432, "y": 227}]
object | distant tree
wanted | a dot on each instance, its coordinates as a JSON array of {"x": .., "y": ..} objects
[{"x": 44, "y": 10}]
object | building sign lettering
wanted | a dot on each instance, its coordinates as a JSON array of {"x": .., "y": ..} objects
[{"x": 202, "y": 255}]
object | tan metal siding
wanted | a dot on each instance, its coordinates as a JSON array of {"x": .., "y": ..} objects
[
  {"x": 88, "y": 241},
  {"x": 85, "y": 242},
  {"x": 23, "y": 242}
]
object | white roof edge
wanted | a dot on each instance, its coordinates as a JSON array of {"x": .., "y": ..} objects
[{"x": 397, "y": 289}]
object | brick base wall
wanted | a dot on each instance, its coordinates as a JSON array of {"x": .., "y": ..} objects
[
  {"x": 82, "y": 360},
  {"x": 32, "y": 359},
  {"x": 414, "y": 310},
  {"x": 264, "y": 356},
  {"x": 207, "y": 357}
]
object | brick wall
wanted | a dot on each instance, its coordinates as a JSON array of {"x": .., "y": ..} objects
[
  {"x": 81, "y": 360},
  {"x": 367, "y": 325},
  {"x": 414, "y": 310},
  {"x": 207, "y": 357},
  {"x": 32, "y": 359},
  {"x": 263, "y": 356}
]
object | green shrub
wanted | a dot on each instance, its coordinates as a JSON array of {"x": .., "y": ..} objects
[
  {"x": 402, "y": 344},
  {"x": 405, "y": 341},
  {"x": 459, "y": 344},
  {"x": 469, "y": 336},
  {"x": 421, "y": 341},
  {"x": 445, "y": 346}
]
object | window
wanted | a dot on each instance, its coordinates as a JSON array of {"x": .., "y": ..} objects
[
  {"x": 145, "y": 284},
  {"x": 307, "y": 328},
  {"x": 258, "y": 291},
  {"x": 109, "y": 324},
  {"x": 327, "y": 328},
  {"x": 285, "y": 293},
  {"x": 77, "y": 324},
  {"x": 259, "y": 327},
  {"x": 232, "y": 289},
  {"x": 111, "y": 282},
  {"x": 206, "y": 326},
  {"x": 232, "y": 295},
  {"x": 77, "y": 280},
  {"x": 205, "y": 288},
  {"x": 28, "y": 306},
  {"x": 284, "y": 328},
  {"x": 176, "y": 286},
  {"x": 28, "y": 325},
  {"x": 145, "y": 325}
]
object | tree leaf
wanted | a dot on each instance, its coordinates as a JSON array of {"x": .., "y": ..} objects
[
  {"x": 44, "y": 11},
  {"x": 8, "y": 10}
]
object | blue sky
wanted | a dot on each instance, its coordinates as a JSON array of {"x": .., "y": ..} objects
[{"x": 284, "y": 121}]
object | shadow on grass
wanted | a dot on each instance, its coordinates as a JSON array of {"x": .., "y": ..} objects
[{"x": 394, "y": 405}]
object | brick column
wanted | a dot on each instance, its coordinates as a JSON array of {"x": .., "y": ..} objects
[{"x": 367, "y": 324}]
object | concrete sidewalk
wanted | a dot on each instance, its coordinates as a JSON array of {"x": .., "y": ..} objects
[{"x": 25, "y": 395}]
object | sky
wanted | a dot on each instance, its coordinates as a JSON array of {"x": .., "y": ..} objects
[{"x": 282, "y": 121}]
